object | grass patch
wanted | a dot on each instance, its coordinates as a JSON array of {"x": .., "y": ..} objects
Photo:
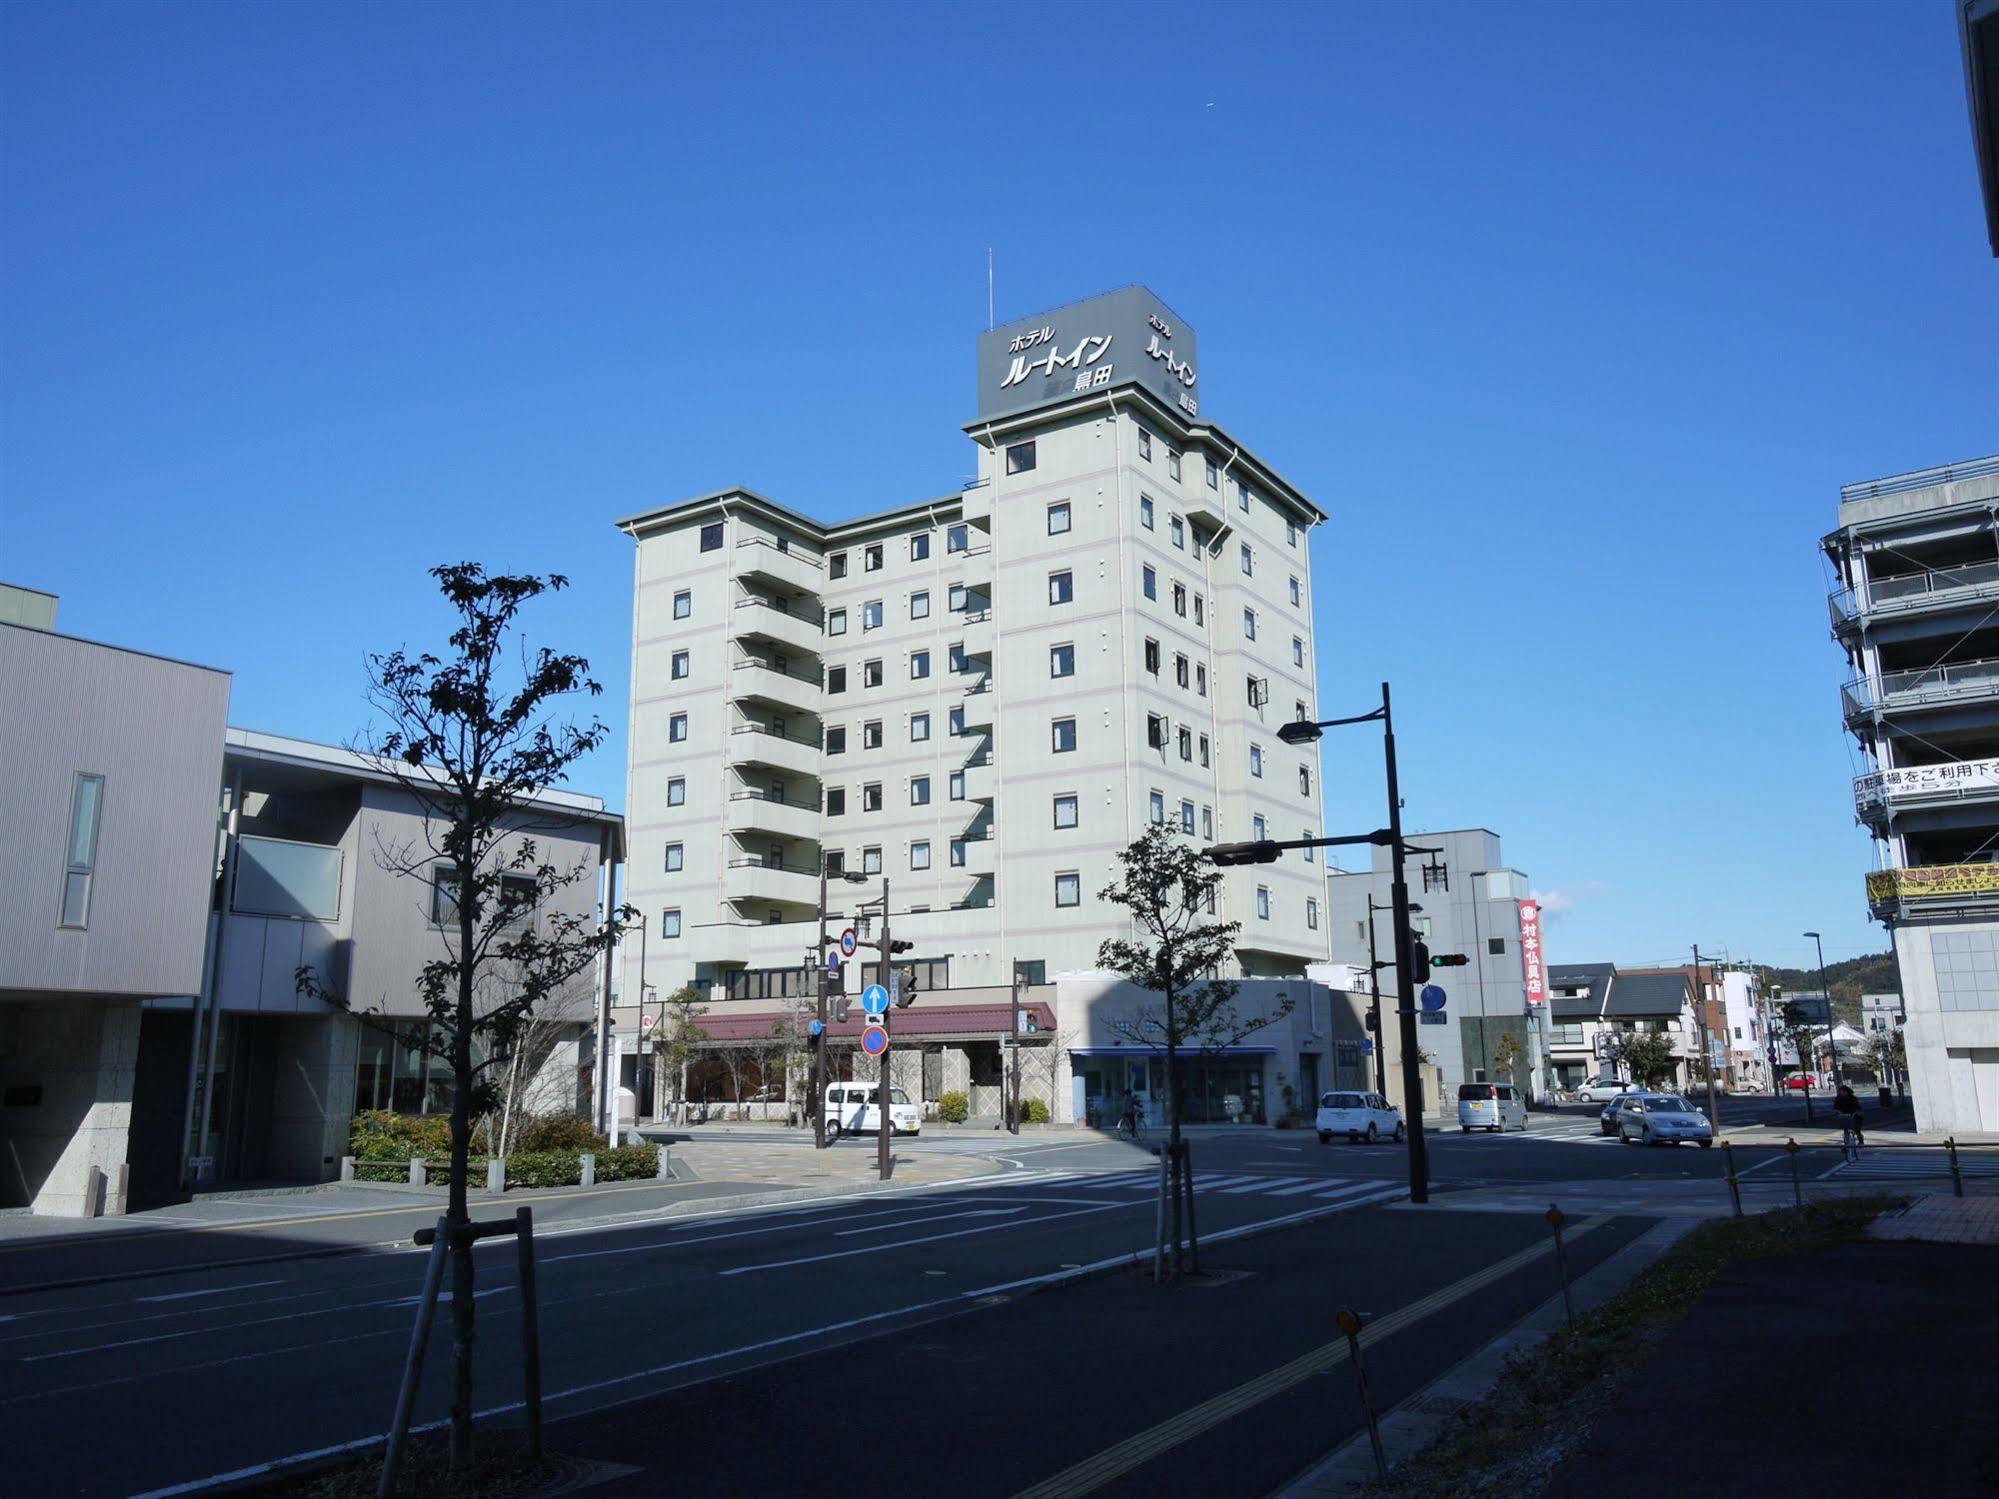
[
  {"x": 1511, "y": 1441},
  {"x": 500, "y": 1469}
]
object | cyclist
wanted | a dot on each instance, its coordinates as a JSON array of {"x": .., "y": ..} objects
[
  {"x": 1851, "y": 1122},
  {"x": 1128, "y": 1120}
]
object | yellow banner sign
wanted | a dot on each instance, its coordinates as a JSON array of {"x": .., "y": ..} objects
[{"x": 1884, "y": 885}]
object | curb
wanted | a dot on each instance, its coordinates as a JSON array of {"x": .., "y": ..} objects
[{"x": 1410, "y": 1427}]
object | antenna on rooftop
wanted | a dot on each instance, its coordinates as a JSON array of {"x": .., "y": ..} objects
[{"x": 989, "y": 288}]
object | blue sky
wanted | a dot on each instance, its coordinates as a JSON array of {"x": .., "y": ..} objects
[{"x": 1573, "y": 317}]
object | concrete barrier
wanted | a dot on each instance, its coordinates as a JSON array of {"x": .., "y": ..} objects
[
  {"x": 589, "y": 1165},
  {"x": 418, "y": 1175},
  {"x": 665, "y": 1164},
  {"x": 496, "y": 1175}
]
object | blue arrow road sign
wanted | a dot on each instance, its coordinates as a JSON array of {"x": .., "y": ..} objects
[
  {"x": 874, "y": 999},
  {"x": 814, "y": 1028},
  {"x": 874, "y": 1041},
  {"x": 832, "y": 962},
  {"x": 1432, "y": 997}
]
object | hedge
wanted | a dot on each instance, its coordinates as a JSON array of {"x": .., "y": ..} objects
[
  {"x": 1033, "y": 1111},
  {"x": 953, "y": 1108},
  {"x": 526, "y": 1168}
]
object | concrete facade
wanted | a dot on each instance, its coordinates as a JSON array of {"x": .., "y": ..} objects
[{"x": 1917, "y": 557}]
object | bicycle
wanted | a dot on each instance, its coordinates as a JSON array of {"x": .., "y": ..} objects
[
  {"x": 1132, "y": 1122},
  {"x": 1851, "y": 1140}
]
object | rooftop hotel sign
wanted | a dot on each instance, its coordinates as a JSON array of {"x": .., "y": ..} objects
[{"x": 1123, "y": 338}]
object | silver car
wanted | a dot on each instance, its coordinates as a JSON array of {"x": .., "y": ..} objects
[{"x": 1662, "y": 1119}]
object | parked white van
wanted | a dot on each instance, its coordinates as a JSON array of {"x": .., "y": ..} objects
[
  {"x": 850, "y": 1107},
  {"x": 1494, "y": 1106}
]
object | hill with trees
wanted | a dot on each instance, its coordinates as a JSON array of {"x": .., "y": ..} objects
[{"x": 1848, "y": 979}]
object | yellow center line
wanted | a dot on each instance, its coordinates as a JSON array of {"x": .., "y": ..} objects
[{"x": 1093, "y": 1473}]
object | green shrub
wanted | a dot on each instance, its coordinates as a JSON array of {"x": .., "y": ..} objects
[
  {"x": 379, "y": 1135},
  {"x": 556, "y": 1132},
  {"x": 1033, "y": 1111},
  {"x": 627, "y": 1163},
  {"x": 544, "y": 1168},
  {"x": 953, "y": 1108}
]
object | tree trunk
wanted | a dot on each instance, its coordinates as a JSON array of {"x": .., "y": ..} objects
[
  {"x": 457, "y": 1218},
  {"x": 1173, "y": 1128}
]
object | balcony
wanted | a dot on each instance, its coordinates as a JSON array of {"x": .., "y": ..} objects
[
  {"x": 1915, "y": 593},
  {"x": 751, "y": 680},
  {"x": 722, "y": 944},
  {"x": 975, "y": 627},
  {"x": 1925, "y": 786},
  {"x": 978, "y": 503},
  {"x": 979, "y": 702},
  {"x": 759, "y": 557},
  {"x": 1932, "y": 887},
  {"x": 754, "y": 745},
  {"x": 762, "y": 619},
  {"x": 1935, "y": 686},
  {"x": 979, "y": 780},
  {"x": 977, "y": 562},
  {"x": 754, "y": 812},
  {"x": 755, "y": 879},
  {"x": 979, "y": 853}
]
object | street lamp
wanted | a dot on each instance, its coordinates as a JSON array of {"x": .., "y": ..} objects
[{"x": 1831, "y": 1041}]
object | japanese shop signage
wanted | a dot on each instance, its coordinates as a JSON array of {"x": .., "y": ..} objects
[
  {"x": 1533, "y": 972},
  {"x": 1127, "y": 337},
  {"x": 1952, "y": 779}
]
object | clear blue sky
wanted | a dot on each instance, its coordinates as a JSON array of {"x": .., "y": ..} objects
[{"x": 1573, "y": 317}]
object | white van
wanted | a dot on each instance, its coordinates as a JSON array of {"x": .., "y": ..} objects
[
  {"x": 1494, "y": 1106},
  {"x": 850, "y": 1107}
]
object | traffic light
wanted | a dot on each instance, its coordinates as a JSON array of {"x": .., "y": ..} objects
[
  {"x": 905, "y": 987},
  {"x": 900, "y": 946},
  {"x": 1419, "y": 961},
  {"x": 841, "y": 1007},
  {"x": 1448, "y": 960}
]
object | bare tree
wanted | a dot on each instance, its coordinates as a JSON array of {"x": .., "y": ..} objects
[
  {"x": 1168, "y": 885},
  {"x": 470, "y": 738}
]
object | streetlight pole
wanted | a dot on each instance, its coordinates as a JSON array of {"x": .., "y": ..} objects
[
  {"x": 819, "y": 1039},
  {"x": 887, "y": 951},
  {"x": 1405, "y": 989},
  {"x": 1707, "y": 1048},
  {"x": 1831, "y": 1042},
  {"x": 1380, "y": 1041}
]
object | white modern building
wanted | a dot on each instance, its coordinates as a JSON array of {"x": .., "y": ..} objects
[
  {"x": 976, "y": 701},
  {"x": 1917, "y": 563},
  {"x": 1750, "y": 1064}
]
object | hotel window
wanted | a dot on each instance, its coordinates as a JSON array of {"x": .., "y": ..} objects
[
  {"x": 675, "y": 858},
  {"x": 956, "y": 720},
  {"x": 919, "y": 791},
  {"x": 1149, "y": 582},
  {"x": 1298, "y": 711},
  {"x": 1204, "y": 751},
  {"x": 1058, "y": 518},
  {"x": 957, "y": 658},
  {"x": 1062, "y": 735},
  {"x": 955, "y": 600},
  {"x": 1155, "y": 730},
  {"x": 1145, "y": 512},
  {"x": 1062, "y": 660},
  {"x": 1156, "y": 808},
  {"x": 669, "y": 922},
  {"x": 919, "y": 546},
  {"x": 1198, "y": 607},
  {"x": 1290, "y": 532},
  {"x": 957, "y": 786},
  {"x": 871, "y": 615},
  {"x": 871, "y": 734},
  {"x": 1065, "y": 810},
  {"x": 1258, "y": 828},
  {"x": 711, "y": 537},
  {"x": 871, "y": 861},
  {"x": 919, "y": 604},
  {"x": 1311, "y": 854},
  {"x": 919, "y": 855},
  {"x": 871, "y": 673},
  {"x": 1263, "y": 903},
  {"x": 836, "y": 679},
  {"x": 957, "y": 853},
  {"x": 957, "y": 538},
  {"x": 871, "y": 558},
  {"x": 1304, "y": 780},
  {"x": 679, "y": 665},
  {"x": 683, "y": 604},
  {"x": 1061, "y": 588},
  {"x": 676, "y": 792},
  {"x": 1249, "y": 624},
  {"x": 1311, "y": 914},
  {"x": 1248, "y": 561},
  {"x": 86, "y": 805},
  {"x": 836, "y": 621},
  {"x": 919, "y": 665},
  {"x": 1200, "y": 679},
  {"x": 1242, "y": 497},
  {"x": 1256, "y": 761},
  {"x": 1180, "y": 599},
  {"x": 1184, "y": 737},
  {"x": 1145, "y": 444},
  {"x": 1152, "y": 657},
  {"x": 836, "y": 565},
  {"x": 1177, "y": 529},
  {"x": 1297, "y": 597},
  {"x": 1297, "y": 651},
  {"x": 1068, "y": 890},
  {"x": 836, "y": 740},
  {"x": 836, "y": 801},
  {"x": 1187, "y": 818},
  {"x": 1214, "y": 474},
  {"x": 1180, "y": 668},
  {"x": 1207, "y": 822},
  {"x": 871, "y": 797},
  {"x": 1020, "y": 458},
  {"x": 676, "y": 729},
  {"x": 1172, "y": 463}
]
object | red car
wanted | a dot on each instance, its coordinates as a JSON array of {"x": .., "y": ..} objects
[{"x": 1797, "y": 1082}]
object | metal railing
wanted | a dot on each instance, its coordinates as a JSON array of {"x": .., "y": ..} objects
[
  {"x": 777, "y": 801},
  {"x": 1928, "y": 785},
  {"x": 753, "y": 862},
  {"x": 814, "y": 741},
  {"x": 1910, "y": 592},
  {"x": 783, "y": 551},
  {"x": 814, "y": 678},
  {"x": 1940, "y": 683},
  {"x": 813, "y": 617},
  {"x": 1925, "y": 478}
]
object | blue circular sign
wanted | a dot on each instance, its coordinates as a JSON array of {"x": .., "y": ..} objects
[
  {"x": 874, "y": 1041},
  {"x": 815, "y": 1028},
  {"x": 874, "y": 999},
  {"x": 1433, "y": 997}
]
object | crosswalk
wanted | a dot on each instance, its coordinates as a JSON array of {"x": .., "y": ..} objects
[
  {"x": 1304, "y": 1189},
  {"x": 1915, "y": 1165},
  {"x": 1569, "y": 1132}
]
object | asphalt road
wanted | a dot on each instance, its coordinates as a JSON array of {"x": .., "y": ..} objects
[{"x": 146, "y": 1384}]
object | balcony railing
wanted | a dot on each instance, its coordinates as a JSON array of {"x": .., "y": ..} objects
[
  {"x": 1932, "y": 684},
  {"x": 804, "y": 613},
  {"x": 1908, "y": 593},
  {"x": 1933, "y": 884},
  {"x": 780, "y": 801},
  {"x": 753, "y": 862},
  {"x": 808, "y": 675},
  {"x": 1927, "y": 478},
  {"x": 813, "y": 740},
  {"x": 783, "y": 551}
]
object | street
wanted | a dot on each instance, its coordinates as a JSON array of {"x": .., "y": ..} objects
[{"x": 304, "y": 1353}]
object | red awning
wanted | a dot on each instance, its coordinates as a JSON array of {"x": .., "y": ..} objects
[{"x": 917, "y": 1023}]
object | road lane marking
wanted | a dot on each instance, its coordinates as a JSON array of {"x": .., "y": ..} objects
[
  {"x": 1094, "y": 1473},
  {"x": 1312, "y": 1185},
  {"x": 1261, "y": 1183},
  {"x": 957, "y": 1233},
  {"x": 740, "y": 1233},
  {"x": 882, "y": 1228},
  {"x": 1332, "y": 1194},
  {"x": 255, "y": 1285}
]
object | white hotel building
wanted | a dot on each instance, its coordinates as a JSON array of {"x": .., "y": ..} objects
[{"x": 981, "y": 698}]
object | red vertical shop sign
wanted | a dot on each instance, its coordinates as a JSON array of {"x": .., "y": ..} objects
[{"x": 1532, "y": 970}]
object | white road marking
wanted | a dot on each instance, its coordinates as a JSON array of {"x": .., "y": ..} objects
[
  {"x": 1358, "y": 1187},
  {"x": 255, "y": 1285},
  {"x": 1259, "y": 1183},
  {"x": 740, "y": 1233},
  {"x": 1313, "y": 1185},
  {"x": 957, "y": 1233},
  {"x": 881, "y": 1228}
]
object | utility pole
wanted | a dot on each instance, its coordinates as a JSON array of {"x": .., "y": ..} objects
[
  {"x": 1412, "y": 1076},
  {"x": 1380, "y": 1040},
  {"x": 1831, "y": 1040},
  {"x": 1707, "y": 1049},
  {"x": 886, "y": 950},
  {"x": 603, "y": 1110},
  {"x": 819, "y": 1041},
  {"x": 1013, "y": 1023}
]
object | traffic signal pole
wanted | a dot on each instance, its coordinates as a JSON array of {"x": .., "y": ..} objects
[
  {"x": 819, "y": 1041},
  {"x": 1405, "y": 988},
  {"x": 887, "y": 951}
]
